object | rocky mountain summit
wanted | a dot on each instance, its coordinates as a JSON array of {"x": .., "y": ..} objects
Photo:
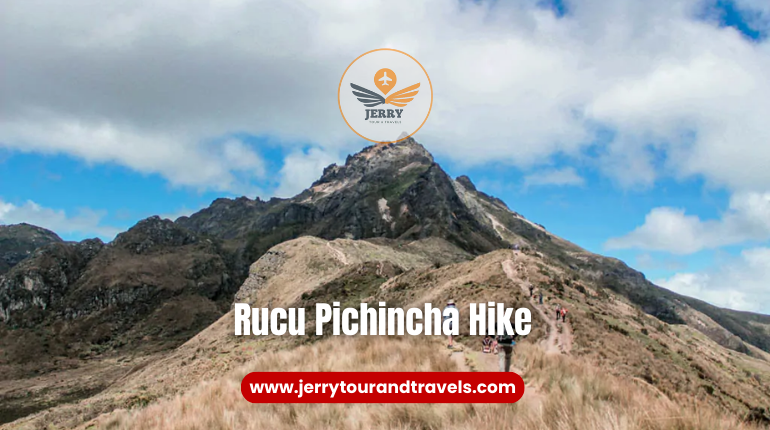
[
  {"x": 19, "y": 241},
  {"x": 392, "y": 191}
]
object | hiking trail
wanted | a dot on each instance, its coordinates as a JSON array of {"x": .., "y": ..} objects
[
  {"x": 559, "y": 338},
  {"x": 559, "y": 341},
  {"x": 476, "y": 361},
  {"x": 338, "y": 254}
]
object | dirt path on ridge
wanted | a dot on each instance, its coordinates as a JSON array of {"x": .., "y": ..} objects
[
  {"x": 559, "y": 338},
  {"x": 476, "y": 361},
  {"x": 338, "y": 254}
]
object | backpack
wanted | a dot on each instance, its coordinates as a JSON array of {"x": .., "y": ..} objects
[
  {"x": 506, "y": 339},
  {"x": 446, "y": 317}
]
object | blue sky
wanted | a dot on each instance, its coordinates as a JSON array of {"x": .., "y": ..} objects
[{"x": 641, "y": 140}]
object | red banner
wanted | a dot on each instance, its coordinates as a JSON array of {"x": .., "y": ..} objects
[{"x": 382, "y": 387}]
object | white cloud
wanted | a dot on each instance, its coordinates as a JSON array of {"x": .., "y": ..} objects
[
  {"x": 86, "y": 223},
  {"x": 240, "y": 157},
  {"x": 302, "y": 168},
  {"x": 145, "y": 84},
  {"x": 737, "y": 284},
  {"x": 670, "y": 229},
  {"x": 559, "y": 177},
  {"x": 182, "y": 160}
]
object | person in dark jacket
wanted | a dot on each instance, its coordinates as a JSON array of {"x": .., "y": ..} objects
[{"x": 505, "y": 343}]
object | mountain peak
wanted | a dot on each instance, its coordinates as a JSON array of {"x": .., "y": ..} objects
[
  {"x": 466, "y": 182},
  {"x": 392, "y": 157},
  {"x": 406, "y": 148},
  {"x": 18, "y": 241},
  {"x": 154, "y": 232},
  {"x": 28, "y": 231}
]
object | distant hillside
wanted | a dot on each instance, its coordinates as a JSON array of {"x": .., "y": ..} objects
[
  {"x": 153, "y": 287},
  {"x": 19, "y": 241}
]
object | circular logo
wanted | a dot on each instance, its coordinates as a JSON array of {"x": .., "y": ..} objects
[{"x": 385, "y": 95}]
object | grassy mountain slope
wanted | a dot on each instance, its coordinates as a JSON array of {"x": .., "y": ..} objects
[{"x": 609, "y": 358}]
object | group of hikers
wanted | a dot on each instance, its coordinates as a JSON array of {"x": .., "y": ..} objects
[
  {"x": 532, "y": 293},
  {"x": 502, "y": 345},
  {"x": 561, "y": 312}
]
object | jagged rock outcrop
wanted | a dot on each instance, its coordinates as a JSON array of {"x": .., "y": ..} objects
[
  {"x": 19, "y": 241},
  {"x": 154, "y": 233},
  {"x": 43, "y": 280},
  {"x": 154, "y": 286},
  {"x": 393, "y": 191},
  {"x": 227, "y": 218}
]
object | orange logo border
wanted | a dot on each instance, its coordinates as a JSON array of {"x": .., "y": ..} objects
[{"x": 339, "y": 88}]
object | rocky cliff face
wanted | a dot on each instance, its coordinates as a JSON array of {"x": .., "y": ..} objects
[
  {"x": 153, "y": 287},
  {"x": 392, "y": 191},
  {"x": 40, "y": 283},
  {"x": 19, "y": 241}
]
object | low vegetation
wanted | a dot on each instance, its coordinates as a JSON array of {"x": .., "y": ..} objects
[{"x": 563, "y": 393}]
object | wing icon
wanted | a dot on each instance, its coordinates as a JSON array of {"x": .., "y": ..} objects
[
  {"x": 368, "y": 97},
  {"x": 402, "y": 97}
]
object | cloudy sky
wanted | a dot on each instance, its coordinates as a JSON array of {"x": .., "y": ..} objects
[{"x": 637, "y": 129}]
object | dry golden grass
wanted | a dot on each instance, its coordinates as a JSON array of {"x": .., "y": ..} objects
[
  {"x": 583, "y": 397},
  {"x": 563, "y": 393}
]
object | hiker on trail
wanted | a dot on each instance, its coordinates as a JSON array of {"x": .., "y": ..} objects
[
  {"x": 541, "y": 297},
  {"x": 450, "y": 304},
  {"x": 505, "y": 343},
  {"x": 486, "y": 344},
  {"x": 531, "y": 291},
  {"x": 558, "y": 311},
  {"x": 563, "y": 314}
]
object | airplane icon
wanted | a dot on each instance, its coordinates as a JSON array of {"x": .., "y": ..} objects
[{"x": 385, "y": 78}]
